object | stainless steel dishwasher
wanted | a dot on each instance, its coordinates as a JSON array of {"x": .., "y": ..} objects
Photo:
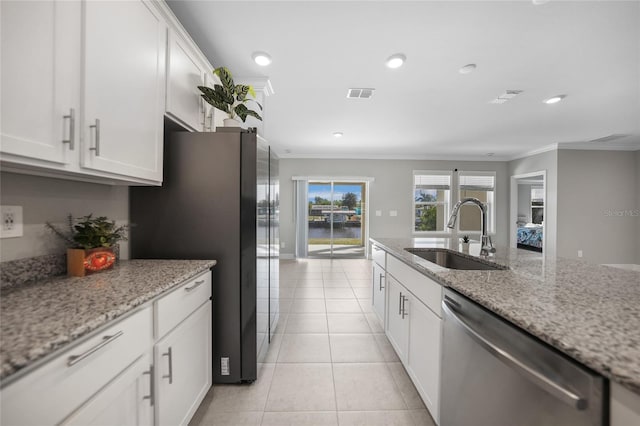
[{"x": 494, "y": 374}]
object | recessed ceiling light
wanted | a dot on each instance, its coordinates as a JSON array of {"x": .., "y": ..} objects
[
  {"x": 555, "y": 99},
  {"x": 261, "y": 58},
  {"x": 338, "y": 134},
  {"x": 396, "y": 61},
  {"x": 469, "y": 68}
]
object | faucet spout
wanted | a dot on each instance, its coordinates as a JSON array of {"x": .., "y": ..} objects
[{"x": 487, "y": 244}]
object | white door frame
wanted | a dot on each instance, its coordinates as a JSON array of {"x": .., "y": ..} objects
[{"x": 513, "y": 212}]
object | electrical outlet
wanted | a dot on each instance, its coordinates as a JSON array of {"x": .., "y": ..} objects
[
  {"x": 378, "y": 213},
  {"x": 11, "y": 226},
  {"x": 282, "y": 244},
  {"x": 579, "y": 253},
  {"x": 224, "y": 366}
]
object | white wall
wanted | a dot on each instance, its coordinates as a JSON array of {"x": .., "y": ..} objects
[
  {"x": 544, "y": 161},
  {"x": 391, "y": 190},
  {"x": 597, "y": 195},
  {"x": 524, "y": 201},
  {"x": 50, "y": 200}
]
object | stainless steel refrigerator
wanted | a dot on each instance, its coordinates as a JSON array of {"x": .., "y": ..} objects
[{"x": 219, "y": 200}]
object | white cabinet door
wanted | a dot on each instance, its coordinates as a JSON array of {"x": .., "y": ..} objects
[
  {"x": 424, "y": 352},
  {"x": 40, "y": 47},
  {"x": 184, "y": 75},
  {"x": 183, "y": 368},
  {"x": 379, "y": 284},
  {"x": 127, "y": 400},
  {"x": 397, "y": 323},
  {"x": 124, "y": 78}
]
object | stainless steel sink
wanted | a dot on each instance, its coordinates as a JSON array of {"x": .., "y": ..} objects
[{"x": 451, "y": 260}]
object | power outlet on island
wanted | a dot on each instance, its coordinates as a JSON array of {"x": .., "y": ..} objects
[{"x": 11, "y": 226}]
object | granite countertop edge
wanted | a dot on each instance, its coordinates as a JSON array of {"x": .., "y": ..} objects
[
  {"x": 453, "y": 279},
  {"x": 17, "y": 363}
]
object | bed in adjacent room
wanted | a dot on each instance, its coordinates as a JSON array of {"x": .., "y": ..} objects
[{"x": 530, "y": 237}]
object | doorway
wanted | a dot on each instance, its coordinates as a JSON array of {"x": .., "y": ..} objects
[
  {"x": 528, "y": 202},
  {"x": 336, "y": 218}
]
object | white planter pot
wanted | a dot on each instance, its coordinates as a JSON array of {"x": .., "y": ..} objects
[
  {"x": 231, "y": 122},
  {"x": 465, "y": 248}
]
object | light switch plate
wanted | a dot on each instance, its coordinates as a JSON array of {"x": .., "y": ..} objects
[
  {"x": 393, "y": 213},
  {"x": 378, "y": 213},
  {"x": 11, "y": 226}
]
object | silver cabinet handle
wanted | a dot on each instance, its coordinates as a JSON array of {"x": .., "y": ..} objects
[
  {"x": 169, "y": 376},
  {"x": 533, "y": 375},
  {"x": 194, "y": 286},
  {"x": 400, "y": 304},
  {"x": 72, "y": 126},
  {"x": 151, "y": 396},
  {"x": 96, "y": 147},
  {"x": 380, "y": 282},
  {"x": 204, "y": 114},
  {"x": 74, "y": 359},
  {"x": 404, "y": 311}
]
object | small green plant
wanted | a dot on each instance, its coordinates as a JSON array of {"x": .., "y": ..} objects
[
  {"x": 230, "y": 97},
  {"x": 465, "y": 239},
  {"x": 88, "y": 232}
]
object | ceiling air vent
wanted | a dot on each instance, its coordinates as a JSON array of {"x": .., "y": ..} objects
[
  {"x": 360, "y": 93},
  {"x": 506, "y": 96}
]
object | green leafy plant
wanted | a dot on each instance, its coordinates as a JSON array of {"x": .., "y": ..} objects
[
  {"x": 230, "y": 97},
  {"x": 88, "y": 232},
  {"x": 465, "y": 238}
]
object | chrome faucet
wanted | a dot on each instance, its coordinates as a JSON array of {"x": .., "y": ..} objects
[{"x": 487, "y": 244}]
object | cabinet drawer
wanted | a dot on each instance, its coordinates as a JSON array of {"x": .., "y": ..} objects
[
  {"x": 428, "y": 291},
  {"x": 52, "y": 392},
  {"x": 177, "y": 305},
  {"x": 379, "y": 256}
]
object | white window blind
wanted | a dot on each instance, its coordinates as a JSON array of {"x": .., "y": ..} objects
[
  {"x": 477, "y": 183},
  {"x": 432, "y": 181}
]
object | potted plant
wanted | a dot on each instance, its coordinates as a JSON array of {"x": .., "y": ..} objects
[
  {"x": 465, "y": 244},
  {"x": 92, "y": 242},
  {"x": 231, "y": 98}
]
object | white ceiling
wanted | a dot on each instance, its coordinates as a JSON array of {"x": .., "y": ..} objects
[{"x": 588, "y": 50}]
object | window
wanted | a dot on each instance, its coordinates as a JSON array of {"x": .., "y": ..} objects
[
  {"x": 431, "y": 200},
  {"x": 480, "y": 185}
]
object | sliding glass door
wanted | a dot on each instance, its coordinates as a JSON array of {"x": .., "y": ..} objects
[{"x": 336, "y": 213}]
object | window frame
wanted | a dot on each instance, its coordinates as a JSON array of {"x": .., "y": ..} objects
[
  {"x": 446, "y": 203},
  {"x": 492, "y": 211}
]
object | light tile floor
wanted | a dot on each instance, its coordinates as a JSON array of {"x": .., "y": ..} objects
[{"x": 329, "y": 362}]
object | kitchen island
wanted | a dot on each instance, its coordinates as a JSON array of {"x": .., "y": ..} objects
[{"x": 589, "y": 312}]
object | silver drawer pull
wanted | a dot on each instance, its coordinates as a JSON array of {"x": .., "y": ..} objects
[
  {"x": 195, "y": 285},
  {"x": 150, "y": 397},
  {"x": 72, "y": 126},
  {"x": 96, "y": 148},
  {"x": 381, "y": 286},
  {"x": 74, "y": 359},
  {"x": 169, "y": 376}
]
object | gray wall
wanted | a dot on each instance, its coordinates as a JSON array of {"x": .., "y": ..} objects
[
  {"x": 597, "y": 193},
  {"x": 391, "y": 190},
  {"x": 638, "y": 206},
  {"x": 544, "y": 161},
  {"x": 50, "y": 200}
]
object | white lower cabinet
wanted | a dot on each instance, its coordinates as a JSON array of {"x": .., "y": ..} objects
[
  {"x": 379, "y": 290},
  {"x": 625, "y": 406},
  {"x": 183, "y": 368},
  {"x": 423, "y": 363},
  {"x": 414, "y": 328},
  {"x": 111, "y": 378},
  {"x": 127, "y": 400},
  {"x": 397, "y": 325}
]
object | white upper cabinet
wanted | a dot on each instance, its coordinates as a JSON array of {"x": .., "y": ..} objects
[
  {"x": 40, "y": 48},
  {"x": 184, "y": 75},
  {"x": 124, "y": 76}
]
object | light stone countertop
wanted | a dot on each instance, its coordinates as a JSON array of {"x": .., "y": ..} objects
[
  {"x": 39, "y": 318},
  {"x": 589, "y": 312}
]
